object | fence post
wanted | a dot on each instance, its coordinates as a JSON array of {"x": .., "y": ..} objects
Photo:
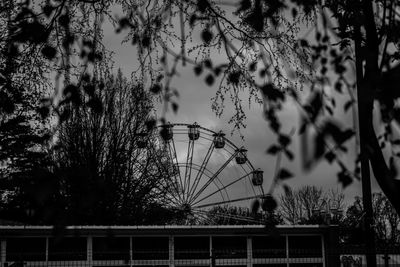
[
  {"x": 212, "y": 256},
  {"x": 171, "y": 251},
  {"x": 331, "y": 247},
  {"x": 386, "y": 258},
  {"x": 3, "y": 252},
  {"x": 249, "y": 252},
  {"x": 89, "y": 252}
]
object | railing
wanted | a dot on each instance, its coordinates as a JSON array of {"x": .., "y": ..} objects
[
  {"x": 261, "y": 258},
  {"x": 222, "y": 257}
]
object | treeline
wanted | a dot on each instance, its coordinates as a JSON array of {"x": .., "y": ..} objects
[
  {"x": 311, "y": 205},
  {"x": 93, "y": 170}
]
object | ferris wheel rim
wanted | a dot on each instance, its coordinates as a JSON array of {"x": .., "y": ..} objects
[
  {"x": 210, "y": 131},
  {"x": 191, "y": 199}
]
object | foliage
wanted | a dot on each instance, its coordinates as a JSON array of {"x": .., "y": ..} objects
[
  {"x": 386, "y": 222},
  {"x": 99, "y": 173},
  {"x": 353, "y": 54}
]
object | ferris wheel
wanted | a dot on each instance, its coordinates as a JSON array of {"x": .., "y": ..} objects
[{"x": 212, "y": 178}]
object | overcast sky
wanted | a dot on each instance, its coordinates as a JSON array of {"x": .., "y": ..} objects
[{"x": 195, "y": 106}]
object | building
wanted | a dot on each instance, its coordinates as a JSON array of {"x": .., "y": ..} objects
[{"x": 170, "y": 246}]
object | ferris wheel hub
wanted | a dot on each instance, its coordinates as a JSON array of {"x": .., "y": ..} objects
[{"x": 186, "y": 208}]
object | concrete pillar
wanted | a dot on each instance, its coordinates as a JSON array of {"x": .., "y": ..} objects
[
  {"x": 171, "y": 251},
  {"x": 249, "y": 252},
  {"x": 89, "y": 252},
  {"x": 331, "y": 247},
  {"x": 3, "y": 250}
]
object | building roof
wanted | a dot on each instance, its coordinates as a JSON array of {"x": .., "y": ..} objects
[{"x": 121, "y": 230}]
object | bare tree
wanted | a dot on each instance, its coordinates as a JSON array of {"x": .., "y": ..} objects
[
  {"x": 106, "y": 175},
  {"x": 299, "y": 206}
]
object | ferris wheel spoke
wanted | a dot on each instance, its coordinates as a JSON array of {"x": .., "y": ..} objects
[
  {"x": 219, "y": 188},
  {"x": 174, "y": 159},
  {"x": 188, "y": 168},
  {"x": 228, "y": 201},
  {"x": 172, "y": 200},
  {"x": 200, "y": 172},
  {"x": 174, "y": 181},
  {"x": 242, "y": 218},
  {"x": 223, "y": 188},
  {"x": 203, "y": 217},
  {"x": 171, "y": 197},
  {"x": 214, "y": 176}
]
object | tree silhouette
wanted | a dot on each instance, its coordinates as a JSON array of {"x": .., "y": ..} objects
[
  {"x": 386, "y": 222},
  {"x": 111, "y": 169},
  {"x": 304, "y": 205}
]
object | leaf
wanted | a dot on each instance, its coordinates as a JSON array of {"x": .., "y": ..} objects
[
  {"x": 269, "y": 203},
  {"x": 272, "y": 93},
  {"x": 289, "y": 154},
  {"x": 64, "y": 20},
  {"x": 150, "y": 124},
  {"x": 207, "y": 63},
  {"x": 192, "y": 20},
  {"x": 284, "y": 140},
  {"x": 262, "y": 73},
  {"x": 124, "y": 23},
  {"x": 329, "y": 109},
  {"x": 49, "y": 52},
  {"x": 210, "y": 79},
  {"x": 253, "y": 66},
  {"x": 146, "y": 41},
  {"x": 294, "y": 12},
  {"x": 304, "y": 43},
  {"x": 396, "y": 142},
  {"x": 48, "y": 9},
  {"x": 244, "y": 5},
  {"x": 344, "y": 178},
  {"x": 330, "y": 156},
  {"x": 156, "y": 88},
  {"x": 234, "y": 77},
  {"x": 348, "y": 105},
  {"x": 284, "y": 174},
  {"x": 339, "y": 136},
  {"x": 324, "y": 70},
  {"x": 255, "y": 19},
  {"x": 338, "y": 87},
  {"x": 273, "y": 150},
  {"x": 202, "y": 5},
  {"x": 346, "y": 135},
  {"x": 287, "y": 189},
  {"x": 314, "y": 105},
  {"x": 198, "y": 69},
  {"x": 159, "y": 78},
  {"x": 217, "y": 71},
  {"x": 175, "y": 107},
  {"x": 303, "y": 128},
  {"x": 206, "y": 36}
]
